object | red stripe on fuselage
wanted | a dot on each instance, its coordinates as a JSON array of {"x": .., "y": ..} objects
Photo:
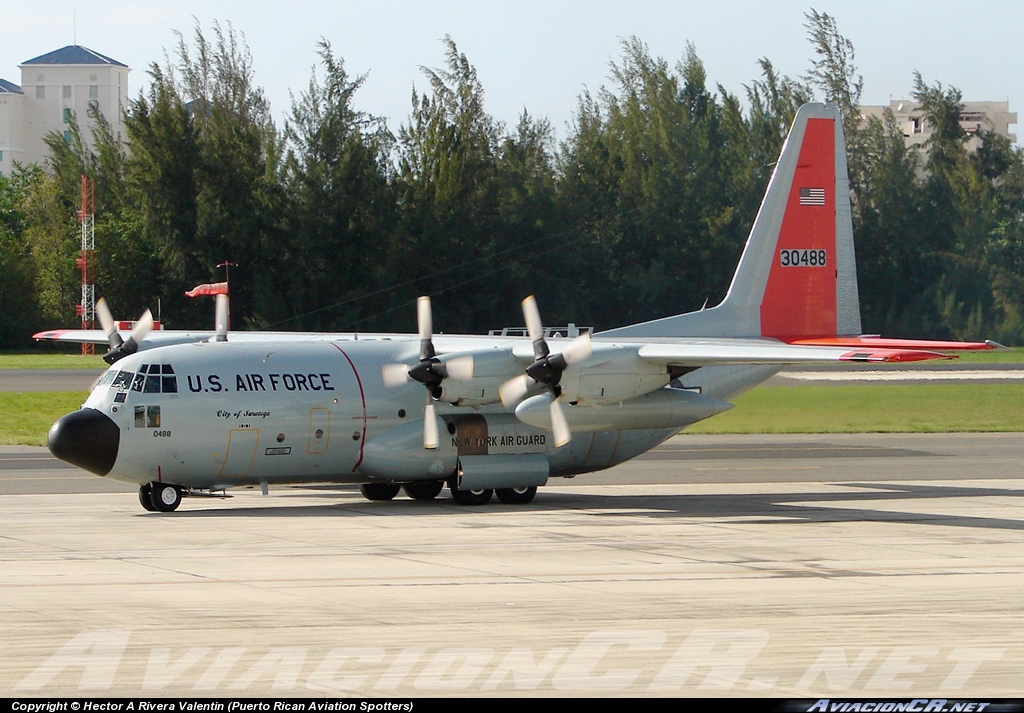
[
  {"x": 800, "y": 300},
  {"x": 362, "y": 397}
]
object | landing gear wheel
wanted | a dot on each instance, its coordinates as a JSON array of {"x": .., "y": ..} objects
[
  {"x": 146, "y": 497},
  {"x": 379, "y": 491},
  {"x": 424, "y": 491},
  {"x": 471, "y": 497},
  {"x": 516, "y": 496},
  {"x": 164, "y": 497}
]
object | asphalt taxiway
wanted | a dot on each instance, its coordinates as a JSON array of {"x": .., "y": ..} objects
[{"x": 783, "y": 566}]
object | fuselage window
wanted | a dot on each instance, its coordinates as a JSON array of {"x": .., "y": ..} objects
[
  {"x": 122, "y": 380},
  {"x": 147, "y": 417}
]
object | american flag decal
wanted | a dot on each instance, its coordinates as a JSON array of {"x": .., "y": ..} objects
[{"x": 812, "y": 196}]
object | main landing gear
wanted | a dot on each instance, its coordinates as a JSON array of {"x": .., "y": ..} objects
[
  {"x": 379, "y": 491},
  {"x": 160, "y": 497},
  {"x": 516, "y": 496},
  {"x": 424, "y": 491},
  {"x": 470, "y": 497},
  {"x": 430, "y": 489}
]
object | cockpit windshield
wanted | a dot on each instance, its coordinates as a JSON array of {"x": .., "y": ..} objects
[{"x": 150, "y": 379}]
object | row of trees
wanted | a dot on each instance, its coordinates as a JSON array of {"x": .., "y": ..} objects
[{"x": 337, "y": 222}]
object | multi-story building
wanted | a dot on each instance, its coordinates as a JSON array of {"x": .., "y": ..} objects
[
  {"x": 976, "y": 118},
  {"x": 74, "y": 81}
]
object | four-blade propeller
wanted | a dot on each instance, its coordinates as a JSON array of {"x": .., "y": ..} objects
[
  {"x": 120, "y": 348},
  {"x": 429, "y": 371},
  {"x": 545, "y": 370}
]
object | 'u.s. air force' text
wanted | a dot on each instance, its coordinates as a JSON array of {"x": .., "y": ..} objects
[{"x": 214, "y": 383}]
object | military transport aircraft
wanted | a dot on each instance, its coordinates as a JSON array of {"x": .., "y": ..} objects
[{"x": 195, "y": 413}]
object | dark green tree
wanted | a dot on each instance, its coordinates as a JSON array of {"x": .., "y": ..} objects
[
  {"x": 203, "y": 173},
  {"x": 20, "y": 317},
  {"x": 341, "y": 203},
  {"x": 449, "y": 186}
]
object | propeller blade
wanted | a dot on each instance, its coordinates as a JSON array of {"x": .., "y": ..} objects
[
  {"x": 531, "y": 313},
  {"x": 221, "y": 318},
  {"x": 578, "y": 350},
  {"x": 131, "y": 345},
  {"x": 459, "y": 368},
  {"x": 559, "y": 425},
  {"x": 513, "y": 390},
  {"x": 394, "y": 375},
  {"x": 107, "y": 323},
  {"x": 425, "y": 324},
  {"x": 430, "y": 439},
  {"x": 142, "y": 328}
]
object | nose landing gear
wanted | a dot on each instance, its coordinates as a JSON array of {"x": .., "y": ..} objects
[{"x": 160, "y": 497}]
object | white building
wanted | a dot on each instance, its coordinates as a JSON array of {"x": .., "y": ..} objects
[
  {"x": 976, "y": 118},
  {"x": 12, "y": 111},
  {"x": 72, "y": 81}
]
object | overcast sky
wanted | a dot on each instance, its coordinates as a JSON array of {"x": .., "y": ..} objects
[{"x": 542, "y": 55}]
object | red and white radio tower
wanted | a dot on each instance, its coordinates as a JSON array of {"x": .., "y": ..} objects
[{"x": 86, "y": 261}]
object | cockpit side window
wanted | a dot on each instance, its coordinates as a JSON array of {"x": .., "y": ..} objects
[{"x": 122, "y": 380}]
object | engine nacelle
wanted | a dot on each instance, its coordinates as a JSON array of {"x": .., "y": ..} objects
[
  {"x": 491, "y": 369},
  {"x": 611, "y": 375},
  {"x": 664, "y": 408}
]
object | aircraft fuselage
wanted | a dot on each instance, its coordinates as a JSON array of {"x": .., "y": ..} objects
[{"x": 216, "y": 415}]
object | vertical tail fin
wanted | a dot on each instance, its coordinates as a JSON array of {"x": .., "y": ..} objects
[{"x": 797, "y": 277}]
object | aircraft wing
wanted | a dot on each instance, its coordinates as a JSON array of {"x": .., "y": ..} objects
[
  {"x": 77, "y": 336},
  {"x": 167, "y": 337},
  {"x": 710, "y": 353}
]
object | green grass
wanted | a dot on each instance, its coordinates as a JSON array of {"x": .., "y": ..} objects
[
  {"x": 902, "y": 408},
  {"x": 51, "y": 360},
  {"x": 26, "y": 417},
  {"x": 1014, "y": 355}
]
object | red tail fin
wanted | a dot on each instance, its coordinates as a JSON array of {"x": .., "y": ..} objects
[{"x": 800, "y": 295}]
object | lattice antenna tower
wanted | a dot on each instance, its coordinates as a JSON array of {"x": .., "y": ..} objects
[{"x": 87, "y": 260}]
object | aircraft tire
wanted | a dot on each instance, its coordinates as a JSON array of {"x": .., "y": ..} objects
[
  {"x": 146, "y": 497},
  {"x": 425, "y": 490},
  {"x": 379, "y": 491},
  {"x": 472, "y": 497},
  {"x": 164, "y": 497},
  {"x": 516, "y": 496}
]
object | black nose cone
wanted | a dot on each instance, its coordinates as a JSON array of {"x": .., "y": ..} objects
[{"x": 86, "y": 438}]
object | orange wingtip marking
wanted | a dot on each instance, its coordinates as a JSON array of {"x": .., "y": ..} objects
[{"x": 52, "y": 334}]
